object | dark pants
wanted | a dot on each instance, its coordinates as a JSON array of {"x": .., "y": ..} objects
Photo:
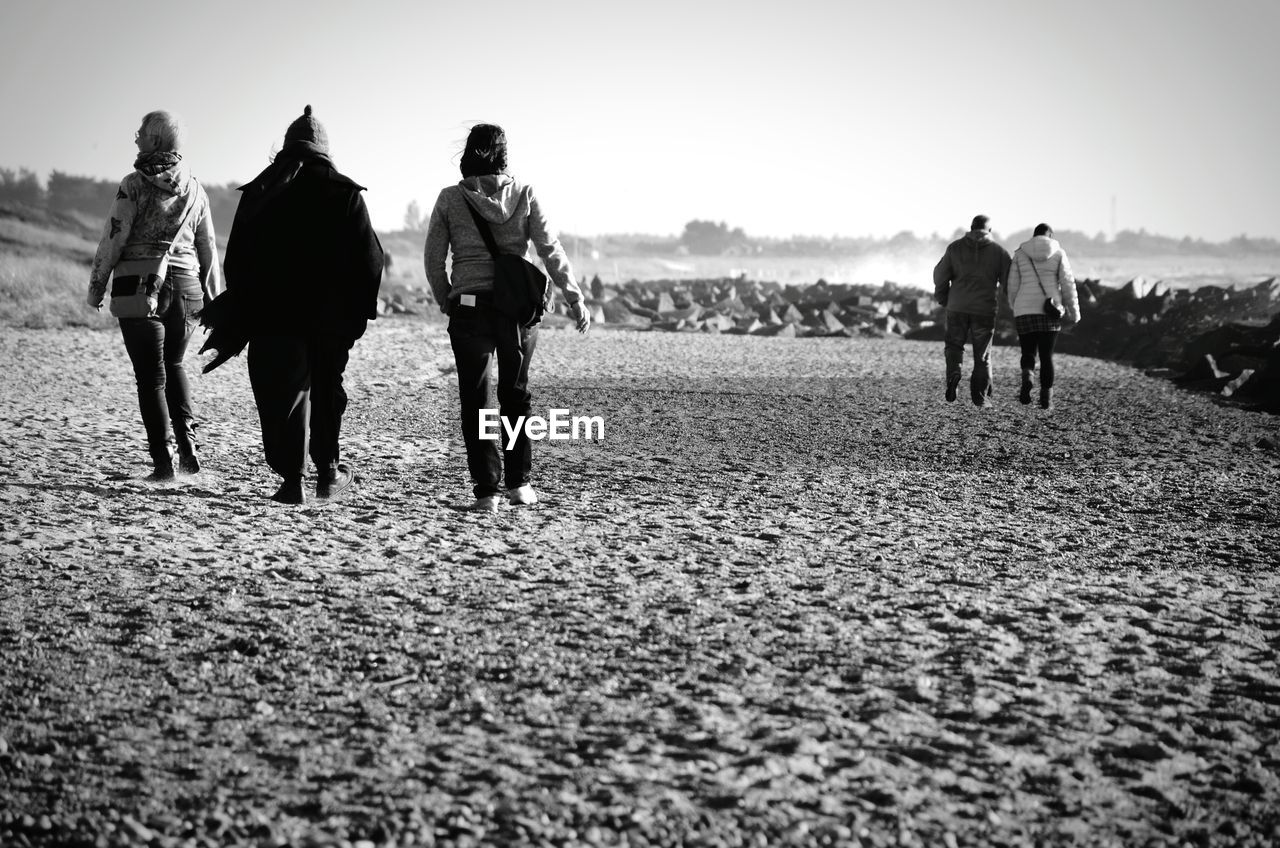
[
  {"x": 156, "y": 347},
  {"x": 978, "y": 329},
  {"x": 477, "y": 333},
  {"x": 1042, "y": 343},
  {"x": 297, "y": 385}
]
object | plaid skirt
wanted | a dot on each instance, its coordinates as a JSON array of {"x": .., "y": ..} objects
[{"x": 1036, "y": 324}]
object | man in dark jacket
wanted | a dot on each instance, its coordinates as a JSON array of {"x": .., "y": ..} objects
[
  {"x": 302, "y": 266},
  {"x": 967, "y": 281}
]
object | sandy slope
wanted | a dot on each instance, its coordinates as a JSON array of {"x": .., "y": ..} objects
[{"x": 792, "y": 597}]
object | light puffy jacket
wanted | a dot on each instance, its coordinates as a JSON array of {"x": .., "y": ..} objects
[
  {"x": 1042, "y": 255},
  {"x": 144, "y": 216},
  {"x": 516, "y": 219}
]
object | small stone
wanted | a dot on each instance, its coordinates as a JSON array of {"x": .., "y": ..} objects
[
  {"x": 139, "y": 830},
  {"x": 1146, "y": 751},
  {"x": 1234, "y": 385}
]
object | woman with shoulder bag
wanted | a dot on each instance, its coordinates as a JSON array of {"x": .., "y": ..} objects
[
  {"x": 158, "y": 248},
  {"x": 478, "y": 331},
  {"x": 1042, "y": 291}
]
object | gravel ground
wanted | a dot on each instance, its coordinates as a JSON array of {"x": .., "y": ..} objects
[{"x": 792, "y": 597}]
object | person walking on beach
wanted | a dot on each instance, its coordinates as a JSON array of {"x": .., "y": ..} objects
[
  {"x": 303, "y": 268},
  {"x": 966, "y": 282},
  {"x": 158, "y": 243},
  {"x": 1040, "y": 272},
  {"x": 488, "y": 196}
]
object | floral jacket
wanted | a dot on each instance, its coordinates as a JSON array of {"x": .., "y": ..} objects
[{"x": 144, "y": 219}]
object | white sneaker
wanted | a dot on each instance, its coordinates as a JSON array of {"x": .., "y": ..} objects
[
  {"x": 522, "y": 496},
  {"x": 486, "y": 504}
]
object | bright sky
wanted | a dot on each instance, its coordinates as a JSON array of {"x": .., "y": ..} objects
[{"x": 790, "y": 117}]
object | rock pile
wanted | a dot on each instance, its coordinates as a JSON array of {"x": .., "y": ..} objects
[
  {"x": 1217, "y": 339},
  {"x": 762, "y": 308}
]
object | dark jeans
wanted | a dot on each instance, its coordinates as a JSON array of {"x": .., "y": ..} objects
[
  {"x": 981, "y": 330},
  {"x": 156, "y": 348},
  {"x": 477, "y": 333},
  {"x": 1042, "y": 343},
  {"x": 297, "y": 385}
]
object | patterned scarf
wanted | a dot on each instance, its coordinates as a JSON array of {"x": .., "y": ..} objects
[{"x": 156, "y": 162}]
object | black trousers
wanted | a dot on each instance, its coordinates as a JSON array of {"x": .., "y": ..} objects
[
  {"x": 477, "y": 334},
  {"x": 156, "y": 348},
  {"x": 297, "y": 385},
  {"x": 1041, "y": 343}
]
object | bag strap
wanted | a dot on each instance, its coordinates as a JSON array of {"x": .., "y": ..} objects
[
  {"x": 186, "y": 214},
  {"x": 483, "y": 227}
]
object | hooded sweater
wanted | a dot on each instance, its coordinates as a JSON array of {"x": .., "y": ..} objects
[
  {"x": 143, "y": 220},
  {"x": 1042, "y": 255},
  {"x": 969, "y": 274},
  {"x": 514, "y": 217}
]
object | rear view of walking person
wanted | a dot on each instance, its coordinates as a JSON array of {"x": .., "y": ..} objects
[
  {"x": 303, "y": 268},
  {"x": 479, "y": 333},
  {"x": 966, "y": 281},
  {"x": 1040, "y": 272},
  {"x": 160, "y": 210}
]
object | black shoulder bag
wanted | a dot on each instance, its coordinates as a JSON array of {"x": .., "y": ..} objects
[
  {"x": 1051, "y": 307},
  {"x": 519, "y": 287}
]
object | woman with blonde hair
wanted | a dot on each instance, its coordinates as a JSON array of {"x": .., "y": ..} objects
[{"x": 158, "y": 247}]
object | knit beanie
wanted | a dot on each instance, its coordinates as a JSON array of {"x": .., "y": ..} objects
[{"x": 307, "y": 130}]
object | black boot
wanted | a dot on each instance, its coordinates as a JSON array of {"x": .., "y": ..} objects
[
  {"x": 1046, "y": 397},
  {"x": 185, "y": 437},
  {"x": 162, "y": 467},
  {"x": 290, "y": 492},
  {"x": 188, "y": 462},
  {"x": 953, "y": 381},
  {"x": 1024, "y": 396}
]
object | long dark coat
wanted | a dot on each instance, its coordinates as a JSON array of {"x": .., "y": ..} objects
[{"x": 302, "y": 256}]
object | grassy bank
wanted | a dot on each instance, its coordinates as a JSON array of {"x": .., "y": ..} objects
[{"x": 46, "y": 291}]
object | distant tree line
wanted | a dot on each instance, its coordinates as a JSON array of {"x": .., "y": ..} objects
[
  {"x": 707, "y": 238},
  {"x": 67, "y": 193},
  {"x": 21, "y": 186},
  {"x": 715, "y": 239}
]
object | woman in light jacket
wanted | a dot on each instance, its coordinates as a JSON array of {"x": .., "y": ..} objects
[
  {"x": 1040, "y": 271},
  {"x": 144, "y": 219},
  {"x": 477, "y": 331}
]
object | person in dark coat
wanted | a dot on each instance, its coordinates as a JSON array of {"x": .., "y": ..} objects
[
  {"x": 966, "y": 281},
  {"x": 303, "y": 266}
]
